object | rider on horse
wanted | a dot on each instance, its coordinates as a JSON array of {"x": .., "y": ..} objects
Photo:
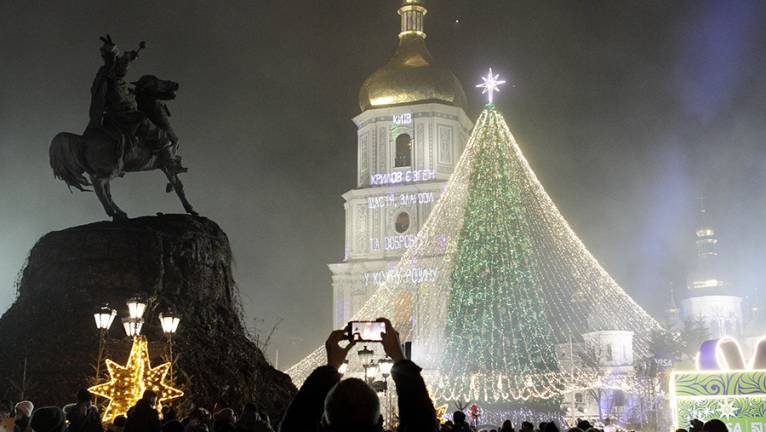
[{"x": 113, "y": 107}]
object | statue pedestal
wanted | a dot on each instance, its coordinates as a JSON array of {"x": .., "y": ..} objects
[{"x": 175, "y": 261}]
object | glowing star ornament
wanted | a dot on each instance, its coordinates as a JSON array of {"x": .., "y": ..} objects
[
  {"x": 490, "y": 85},
  {"x": 128, "y": 383},
  {"x": 441, "y": 410}
]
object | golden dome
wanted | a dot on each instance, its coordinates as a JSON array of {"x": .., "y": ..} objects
[{"x": 410, "y": 76}]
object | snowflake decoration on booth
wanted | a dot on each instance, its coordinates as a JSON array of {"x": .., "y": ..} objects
[
  {"x": 727, "y": 408},
  {"x": 706, "y": 413}
]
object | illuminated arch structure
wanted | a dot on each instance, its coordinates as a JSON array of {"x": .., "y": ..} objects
[{"x": 724, "y": 386}]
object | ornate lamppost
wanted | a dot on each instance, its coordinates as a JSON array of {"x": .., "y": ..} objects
[
  {"x": 136, "y": 307},
  {"x": 104, "y": 317},
  {"x": 365, "y": 356},
  {"x": 370, "y": 371},
  {"x": 385, "y": 365},
  {"x": 169, "y": 321},
  {"x": 135, "y": 319}
]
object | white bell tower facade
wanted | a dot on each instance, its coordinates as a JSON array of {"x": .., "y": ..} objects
[{"x": 410, "y": 135}]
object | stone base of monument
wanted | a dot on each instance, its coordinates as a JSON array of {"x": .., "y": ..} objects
[{"x": 49, "y": 341}]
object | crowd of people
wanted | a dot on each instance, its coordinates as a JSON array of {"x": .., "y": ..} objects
[
  {"x": 323, "y": 403},
  {"x": 83, "y": 416}
]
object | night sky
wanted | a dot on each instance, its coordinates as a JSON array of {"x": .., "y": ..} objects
[{"x": 627, "y": 111}]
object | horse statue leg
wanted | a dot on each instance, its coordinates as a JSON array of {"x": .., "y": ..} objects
[
  {"x": 175, "y": 182},
  {"x": 119, "y": 214},
  {"x": 101, "y": 186}
]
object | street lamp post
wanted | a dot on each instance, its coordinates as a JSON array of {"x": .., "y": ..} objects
[
  {"x": 385, "y": 365},
  {"x": 134, "y": 321},
  {"x": 132, "y": 326},
  {"x": 365, "y": 356},
  {"x": 169, "y": 321},
  {"x": 136, "y": 307},
  {"x": 372, "y": 370},
  {"x": 104, "y": 317}
]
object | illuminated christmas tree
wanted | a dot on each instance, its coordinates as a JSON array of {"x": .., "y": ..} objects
[
  {"x": 495, "y": 314},
  {"x": 495, "y": 279}
]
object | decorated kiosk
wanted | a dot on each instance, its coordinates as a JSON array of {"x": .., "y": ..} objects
[{"x": 724, "y": 386}]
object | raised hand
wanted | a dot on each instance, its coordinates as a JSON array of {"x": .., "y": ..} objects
[
  {"x": 390, "y": 340},
  {"x": 335, "y": 353}
]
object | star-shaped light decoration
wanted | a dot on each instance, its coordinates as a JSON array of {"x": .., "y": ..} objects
[
  {"x": 490, "y": 84},
  {"x": 727, "y": 408},
  {"x": 127, "y": 383},
  {"x": 441, "y": 410}
]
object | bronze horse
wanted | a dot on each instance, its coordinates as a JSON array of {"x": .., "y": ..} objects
[{"x": 104, "y": 153}]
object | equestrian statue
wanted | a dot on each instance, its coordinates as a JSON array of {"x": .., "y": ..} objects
[{"x": 129, "y": 130}]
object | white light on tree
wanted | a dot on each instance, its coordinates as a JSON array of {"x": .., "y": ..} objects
[
  {"x": 104, "y": 317},
  {"x": 169, "y": 322},
  {"x": 132, "y": 326},
  {"x": 136, "y": 307},
  {"x": 490, "y": 84}
]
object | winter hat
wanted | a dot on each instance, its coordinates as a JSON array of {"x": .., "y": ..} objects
[
  {"x": 48, "y": 419},
  {"x": 25, "y": 407},
  {"x": 83, "y": 395}
]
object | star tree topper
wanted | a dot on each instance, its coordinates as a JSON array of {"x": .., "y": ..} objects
[
  {"x": 127, "y": 383},
  {"x": 490, "y": 84}
]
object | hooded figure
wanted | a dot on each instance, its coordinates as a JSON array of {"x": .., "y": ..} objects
[
  {"x": 84, "y": 417},
  {"x": 48, "y": 419},
  {"x": 23, "y": 414}
]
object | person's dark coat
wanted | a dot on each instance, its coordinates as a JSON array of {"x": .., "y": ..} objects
[
  {"x": 416, "y": 412},
  {"x": 143, "y": 418},
  {"x": 22, "y": 423},
  {"x": 223, "y": 427},
  {"x": 172, "y": 426},
  {"x": 89, "y": 422},
  {"x": 250, "y": 422},
  {"x": 48, "y": 419},
  {"x": 462, "y": 426}
]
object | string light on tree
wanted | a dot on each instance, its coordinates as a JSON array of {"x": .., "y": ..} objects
[
  {"x": 127, "y": 383},
  {"x": 491, "y": 84}
]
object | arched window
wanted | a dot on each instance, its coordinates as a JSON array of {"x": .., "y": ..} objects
[
  {"x": 403, "y": 151},
  {"x": 402, "y": 223}
]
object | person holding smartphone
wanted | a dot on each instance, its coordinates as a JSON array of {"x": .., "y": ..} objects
[{"x": 328, "y": 404}]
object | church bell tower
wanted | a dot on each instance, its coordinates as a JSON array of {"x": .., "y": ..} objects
[
  {"x": 411, "y": 132},
  {"x": 709, "y": 298}
]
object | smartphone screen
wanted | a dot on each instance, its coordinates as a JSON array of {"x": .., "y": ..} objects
[{"x": 365, "y": 331}]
